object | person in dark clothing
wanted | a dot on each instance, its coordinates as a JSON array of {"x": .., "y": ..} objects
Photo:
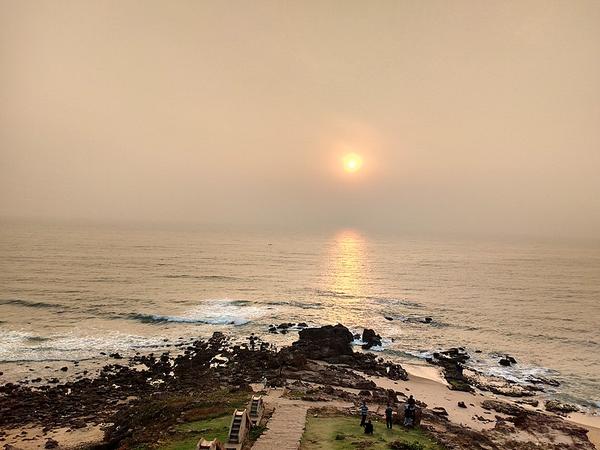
[
  {"x": 369, "y": 427},
  {"x": 389, "y": 415},
  {"x": 409, "y": 411},
  {"x": 364, "y": 409}
]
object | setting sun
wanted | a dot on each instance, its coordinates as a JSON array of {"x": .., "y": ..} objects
[{"x": 352, "y": 162}]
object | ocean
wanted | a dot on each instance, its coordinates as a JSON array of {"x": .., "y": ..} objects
[{"x": 72, "y": 292}]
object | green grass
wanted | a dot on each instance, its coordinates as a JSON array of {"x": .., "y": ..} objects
[
  {"x": 217, "y": 427},
  {"x": 208, "y": 419},
  {"x": 345, "y": 433}
]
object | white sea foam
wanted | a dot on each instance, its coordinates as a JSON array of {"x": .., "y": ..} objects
[
  {"x": 518, "y": 373},
  {"x": 376, "y": 348},
  {"x": 220, "y": 312},
  {"x": 24, "y": 346}
]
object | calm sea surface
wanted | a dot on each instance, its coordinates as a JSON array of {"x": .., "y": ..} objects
[{"x": 68, "y": 293}]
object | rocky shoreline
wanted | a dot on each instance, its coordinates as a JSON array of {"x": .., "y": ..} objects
[{"x": 137, "y": 401}]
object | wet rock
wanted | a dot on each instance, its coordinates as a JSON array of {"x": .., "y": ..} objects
[
  {"x": 507, "y": 361},
  {"x": 543, "y": 380},
  {"x": 452, "y": 361},
  {"x": 370, "y": 339},
  {"x": 453, "y": 354}
]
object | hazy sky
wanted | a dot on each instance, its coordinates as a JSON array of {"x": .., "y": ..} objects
[{"x": 470, "y": 116}]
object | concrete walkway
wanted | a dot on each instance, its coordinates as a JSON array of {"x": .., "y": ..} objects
[
  {"x": 286, "y": 425},
  {"x": 285, "y": 429}
]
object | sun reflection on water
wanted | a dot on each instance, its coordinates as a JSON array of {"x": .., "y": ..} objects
[{"x": 345, "y": 275}]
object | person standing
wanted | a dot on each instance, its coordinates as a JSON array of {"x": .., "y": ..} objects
[
  {"x": 409, "y": 412},
  {"x": 364, "y": 410},
  {"x": 389, "y": 415}
]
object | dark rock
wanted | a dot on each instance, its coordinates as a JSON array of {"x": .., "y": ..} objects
[
  {"x": 302, "y": 325},
  {"x": 452, "y": 361},
  {"x": 51, "y": 443},
  {"x": 370, "y": 339},
  {"x": 79, "y": 424},
  {"x": 64, "y": 369},
  {"x": 427, "y": 320},
  {"x": 388, "y": 318},
  {"x": 507, "y": 361},
  {"x": 462, "y": 405},
  {"x": 115, "y": 356},
  {"x": 324, "y": 342}
]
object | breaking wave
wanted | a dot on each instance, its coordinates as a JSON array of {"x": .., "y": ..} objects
[{"x": 214, "y": 313}]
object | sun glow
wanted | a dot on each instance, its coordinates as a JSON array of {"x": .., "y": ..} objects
[{"x": 352, "y": 162}]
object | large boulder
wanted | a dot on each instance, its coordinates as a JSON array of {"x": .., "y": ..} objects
[{"x": 325, "y": 342}]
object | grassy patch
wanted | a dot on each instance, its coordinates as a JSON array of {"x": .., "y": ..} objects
[
  {"x": 345, "y": 433},
  {"x": 207, "y": 418},
  {"x": 217, "y": 427}
]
